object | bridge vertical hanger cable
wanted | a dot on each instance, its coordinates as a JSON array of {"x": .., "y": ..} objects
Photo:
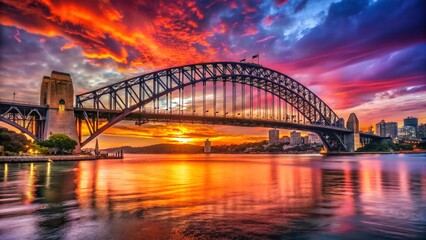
[
  {"x": 204, "y": 98},
  {"x": 279, "y": 107},
  {"x": 234, "y": 97},
  {"x": 167, "y": 96},
  {"x": 251, "y": 98},
  {"x": 193, "y": 99},
  {"x": 224, "y": 98},
  {"x": 259, "y": 103},
  {"x": 243, "y": 100},
  {"x": 181, "y": 100},
  {"x": 265, "y": 96},
  {"x": 170, "y": 95},
  {"x": 273, "y": 106},
  {"x": 214, "y": 96}
]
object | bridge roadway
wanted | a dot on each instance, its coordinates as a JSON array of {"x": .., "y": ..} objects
[{"x": 144, "y": 117}]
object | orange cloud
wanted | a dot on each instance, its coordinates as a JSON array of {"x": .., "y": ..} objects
[
  {"x": 67, "y": 46},
  {"x": 165, "y": 37}
]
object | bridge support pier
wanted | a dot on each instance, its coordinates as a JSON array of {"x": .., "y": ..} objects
[
  {"x": 57, "y": 93},
  {"x": 352, "y": 141}
]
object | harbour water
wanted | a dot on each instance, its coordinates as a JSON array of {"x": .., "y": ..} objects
[{"x": 216, "y": 197}]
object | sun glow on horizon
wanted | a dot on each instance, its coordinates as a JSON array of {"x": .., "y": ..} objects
[{"x": 182, "y": 140}]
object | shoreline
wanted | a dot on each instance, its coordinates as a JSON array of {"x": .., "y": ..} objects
[
  {"x": 59, "y": 158},
  {"x": 54, "y": 158}
]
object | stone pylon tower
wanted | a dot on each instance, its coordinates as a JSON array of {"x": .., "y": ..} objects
[
  {"x": 352, "y": 140},
  {"x": 57, "y": 93}
]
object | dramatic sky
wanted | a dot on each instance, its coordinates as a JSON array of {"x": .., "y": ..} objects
[{"x": 363, "y": 56}]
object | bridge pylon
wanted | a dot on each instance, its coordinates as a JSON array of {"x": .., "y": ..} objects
[
  {"x": 352, "y": 140},
  {"x": 57, "y": 93}
]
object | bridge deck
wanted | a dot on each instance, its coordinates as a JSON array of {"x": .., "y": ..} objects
[{"x": 219, "y": 120}]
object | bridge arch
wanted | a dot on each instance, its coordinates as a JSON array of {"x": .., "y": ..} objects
[
  {"x": 124, "y": 97},
  {"x": 19, "y": 127}
]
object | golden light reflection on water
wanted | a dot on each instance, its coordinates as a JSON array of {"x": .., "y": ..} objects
[
  {"x": 188, "y": 184},
  {"x": 30, "y": 187},
  {"x": 48, "y": 174},
  {"x": 268, "y": 189},
  {"x": 6, "y": 172}
]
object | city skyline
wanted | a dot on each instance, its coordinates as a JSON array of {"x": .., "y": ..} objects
[{"x": 374, "y": 69}]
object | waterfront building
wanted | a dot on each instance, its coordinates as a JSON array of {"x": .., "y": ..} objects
[
  {"x": 387, "y": 129},
  {"x": 295, "y": 138},
  {"x": 407, "y": 132},
  {"x": 313, "y": 138},
  {"x": 274, "y": 136},
  {"x": 412, "y": 122},
  {"x": 421, "y": 131}
]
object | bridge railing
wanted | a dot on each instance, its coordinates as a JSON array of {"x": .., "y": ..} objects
[{"x": 11, "y": 101}]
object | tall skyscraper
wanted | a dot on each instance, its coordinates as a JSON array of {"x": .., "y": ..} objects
[
  {"x": 412, "y": 122},
  {"x": 274, "y": 136},
  {"x": 387, "y": 129}
]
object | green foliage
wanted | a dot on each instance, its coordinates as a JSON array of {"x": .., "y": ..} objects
[
  {"x": 385, "y": 146},
  {"x": 421, "y": 145},
  {"x": 255, "y": 147},
  {"x": 376, "y": 147},
  {"x": 241, "y": 148},
  {"x": 40, "y": 149},
  {"x": 13, "y": 142},
  {"x": 403, "y": 147},
  {"x": 59, "y": 143}
]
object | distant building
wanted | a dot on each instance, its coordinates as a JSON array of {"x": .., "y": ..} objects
[
  {"x": 412, "y": 122},
  {"x": 407, "y": 132},
  {"x": 313, "y": 139},
  {"x": 295, "y": 138},
  {"x": 421, "y": 131},
  {"x": 207, "y": 146},
  {"x": 274, "y": 136},
  {"x": 387, "y": 129}
]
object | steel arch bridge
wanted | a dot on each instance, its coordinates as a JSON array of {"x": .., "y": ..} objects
[{"x": 230, "y": 93}]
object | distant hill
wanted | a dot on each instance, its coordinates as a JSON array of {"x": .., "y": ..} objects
[
  {"x": 256, "y": 147},
  {"x": 159, "y": 148}
]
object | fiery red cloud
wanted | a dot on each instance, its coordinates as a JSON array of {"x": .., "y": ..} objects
[{"x": 157, "y": 38}]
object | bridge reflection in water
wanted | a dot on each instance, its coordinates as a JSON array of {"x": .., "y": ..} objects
[{"x": 231, "y": 196}]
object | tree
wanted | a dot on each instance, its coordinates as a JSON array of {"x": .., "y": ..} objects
[
  {"x": 59, "y": 143},
  {"x": 422, "y": 145},
  {"x": 13, "y": 142},
  {"x": 38, "y": 149}
]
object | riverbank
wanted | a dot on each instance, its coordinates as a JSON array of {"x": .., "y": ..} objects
[{"x": 55, "y": 158}]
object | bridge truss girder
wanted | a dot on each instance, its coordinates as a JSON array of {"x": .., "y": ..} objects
[
  {"x": 133, "y": 94},
  {"x": 29, "y": 120}
]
